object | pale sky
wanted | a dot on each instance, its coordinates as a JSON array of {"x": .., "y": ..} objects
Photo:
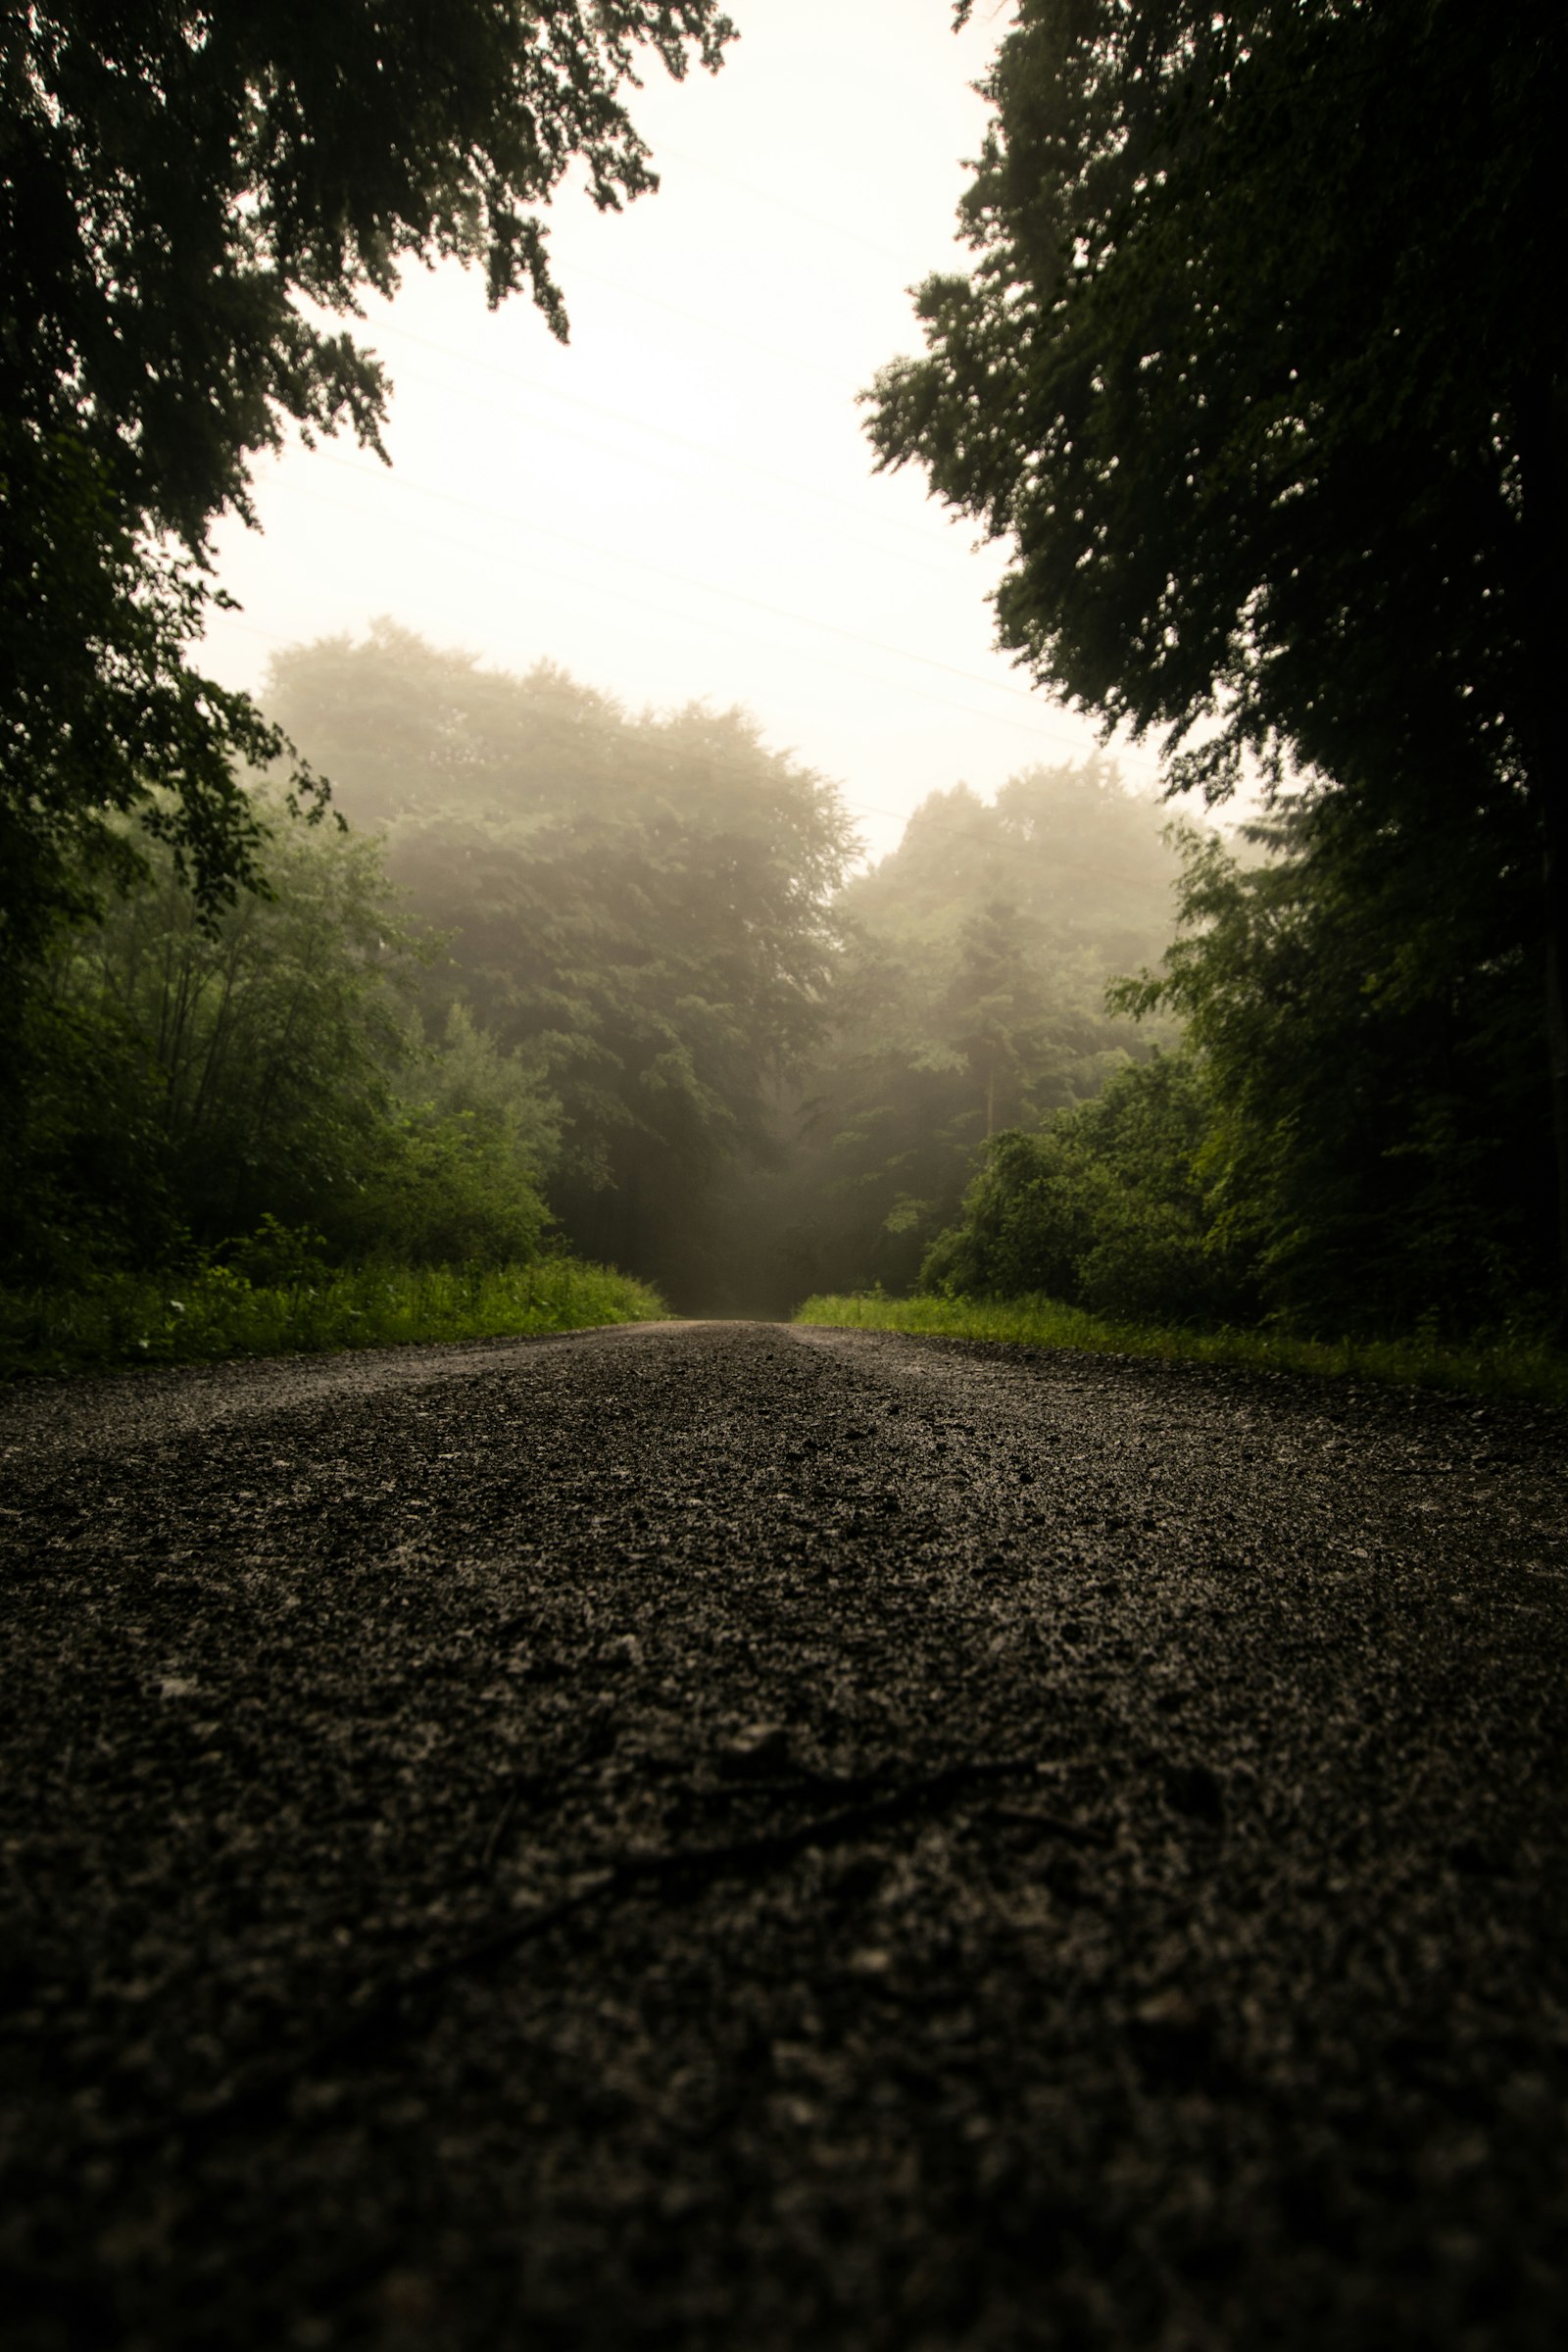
[{"x": 679, "y": 504}]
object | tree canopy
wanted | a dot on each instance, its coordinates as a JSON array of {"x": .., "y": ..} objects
[
  {"x": 1262, "y": 373},
  {"x": 185, "y": 191},
  {"x": 641, "y": 903}
]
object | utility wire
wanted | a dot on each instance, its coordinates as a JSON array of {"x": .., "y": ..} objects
[
  {"x": 835, "y": 229},
  {"x": 665, "y": 571},
  {"x": 549, "y": 427},
  {"x": 707, "y": 326},
  {"x": 1036, "y": 729},
  {"x": 648, "y": 604},
  {"x": 700, "y": 448}
]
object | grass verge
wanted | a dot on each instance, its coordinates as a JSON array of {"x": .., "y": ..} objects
[
  {"x": 1506, "y": 1368},
  {"x": 134, "y": 1319}
]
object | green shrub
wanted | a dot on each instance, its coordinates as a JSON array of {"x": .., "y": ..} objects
[
  {"x": 1105, "y": 1208},
  {"x": 209, "y": 1089},
  {"x": 279, "y": 1256}
]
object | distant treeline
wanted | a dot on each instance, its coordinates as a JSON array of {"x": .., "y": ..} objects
[
  {"x": 577, "y": 976},
  {"x": 765, "y": 1076}
]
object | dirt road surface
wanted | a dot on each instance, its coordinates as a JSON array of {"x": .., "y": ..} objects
[{"x": 730, "y": 1836}]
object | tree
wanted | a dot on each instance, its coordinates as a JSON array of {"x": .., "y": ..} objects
[
  {"x": 995, "y": 1011},
  {"x": 1349, "y": 1137},
  {"x": 642, "y": 903},
  {"x": 970, "y": 993},
  {"x": 1263, "y": 373},
  {"x": 184, "y": 191},
  {"x": 1361, "y": 1010},
  {"x": 1104, "y": 1207}
]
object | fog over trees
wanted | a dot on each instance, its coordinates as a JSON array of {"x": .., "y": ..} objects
[
  {"x": 767, "y": 1071},
  {"x": 643, "y": 908},
  {"x": 417, "y": 960},
  {"x": 558, "y": 968}
]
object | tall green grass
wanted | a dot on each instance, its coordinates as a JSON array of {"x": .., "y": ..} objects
[
  {"x": 127, "y": 1318},
  {"x": 1506, "y": 1367}
]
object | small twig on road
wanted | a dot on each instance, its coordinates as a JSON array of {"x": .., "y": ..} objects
[
  {"x": 1023, "y": 1816},
  {"x": 389, "y": 2010},
  {"x": 498, "y": 1829},
  {"x": 795, "y": 1784}
]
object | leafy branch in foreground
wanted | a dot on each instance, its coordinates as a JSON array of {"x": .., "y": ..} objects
[{"x": 186, "y": 191}]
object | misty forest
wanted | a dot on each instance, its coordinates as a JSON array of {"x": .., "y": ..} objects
[
  {"x": 413, "y": 971},
  {"x": 783, "y": 1397}
]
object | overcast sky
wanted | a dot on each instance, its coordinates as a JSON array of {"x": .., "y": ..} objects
[{"x": 679, "y": 504}]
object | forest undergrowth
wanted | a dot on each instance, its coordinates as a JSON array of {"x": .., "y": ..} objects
[
  {"x": 131, "y": 1318},
  {"x": 1507, "y": 1364}
]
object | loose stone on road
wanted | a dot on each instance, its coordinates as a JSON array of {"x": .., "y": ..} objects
[{"x": 724, "y": 1835}]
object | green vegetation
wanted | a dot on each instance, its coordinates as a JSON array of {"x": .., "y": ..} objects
[
  {"x": 967, "y": 995},
  {"x": 593, "y": 982},
  {"x": 1506, "y": 1366},
  {"x": 188, "y": 194},
  {"x": 138, "y": 1319},
  {"x": 207, "y": 1022},
  {"x": 1261, "y": 376},
  {"x": 638, "y": 909},
  {"x": 238, "y": 1136},
  {"x": 1352, "y": 1136},
  {"x": 192, "y": 1078},
  {"x": 597, "y": 985}
]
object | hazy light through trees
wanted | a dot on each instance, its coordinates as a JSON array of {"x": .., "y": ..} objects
[
  {"x": 709, "y": 898},
  {"x": 677, "y": 504}
]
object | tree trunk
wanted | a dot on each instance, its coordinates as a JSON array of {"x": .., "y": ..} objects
[
  {"x": 1544, "y": 522},
  {"x": 1553, "y": 799}
]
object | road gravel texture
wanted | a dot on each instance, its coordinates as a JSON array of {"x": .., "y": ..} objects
[{"x": 726, "y": 1836}]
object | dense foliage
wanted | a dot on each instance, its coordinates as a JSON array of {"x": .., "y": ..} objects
[
  {"x": 1352, "y": 1137},
  {"x": 184, "y": 191},
  {"x": 640, "y": 906},
  {"x": 1104, "y": 1207},
  {"x": 1261, "y": 374},
  {"x": 968, "y": 995},
  {"x": 198, "y": 1082},
  {"x": 606, "y": 976}
]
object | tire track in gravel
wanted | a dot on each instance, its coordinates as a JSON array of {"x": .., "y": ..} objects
[{"x": 705, "y": 1833}]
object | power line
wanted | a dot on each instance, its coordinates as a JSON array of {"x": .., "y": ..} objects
[
  {"x": 686, "y": 579},
  {"x": 782, "y": 204},
  {"x": 566, "y": 433},
  {"x": 709, "y": 326},
  {"x": 644, "y": 603},
  {"x": 1036, "y": 729},
  {"x": 700, "y": 449}
]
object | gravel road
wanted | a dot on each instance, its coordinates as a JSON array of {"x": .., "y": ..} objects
[{"x": 740, "y": 1838}]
